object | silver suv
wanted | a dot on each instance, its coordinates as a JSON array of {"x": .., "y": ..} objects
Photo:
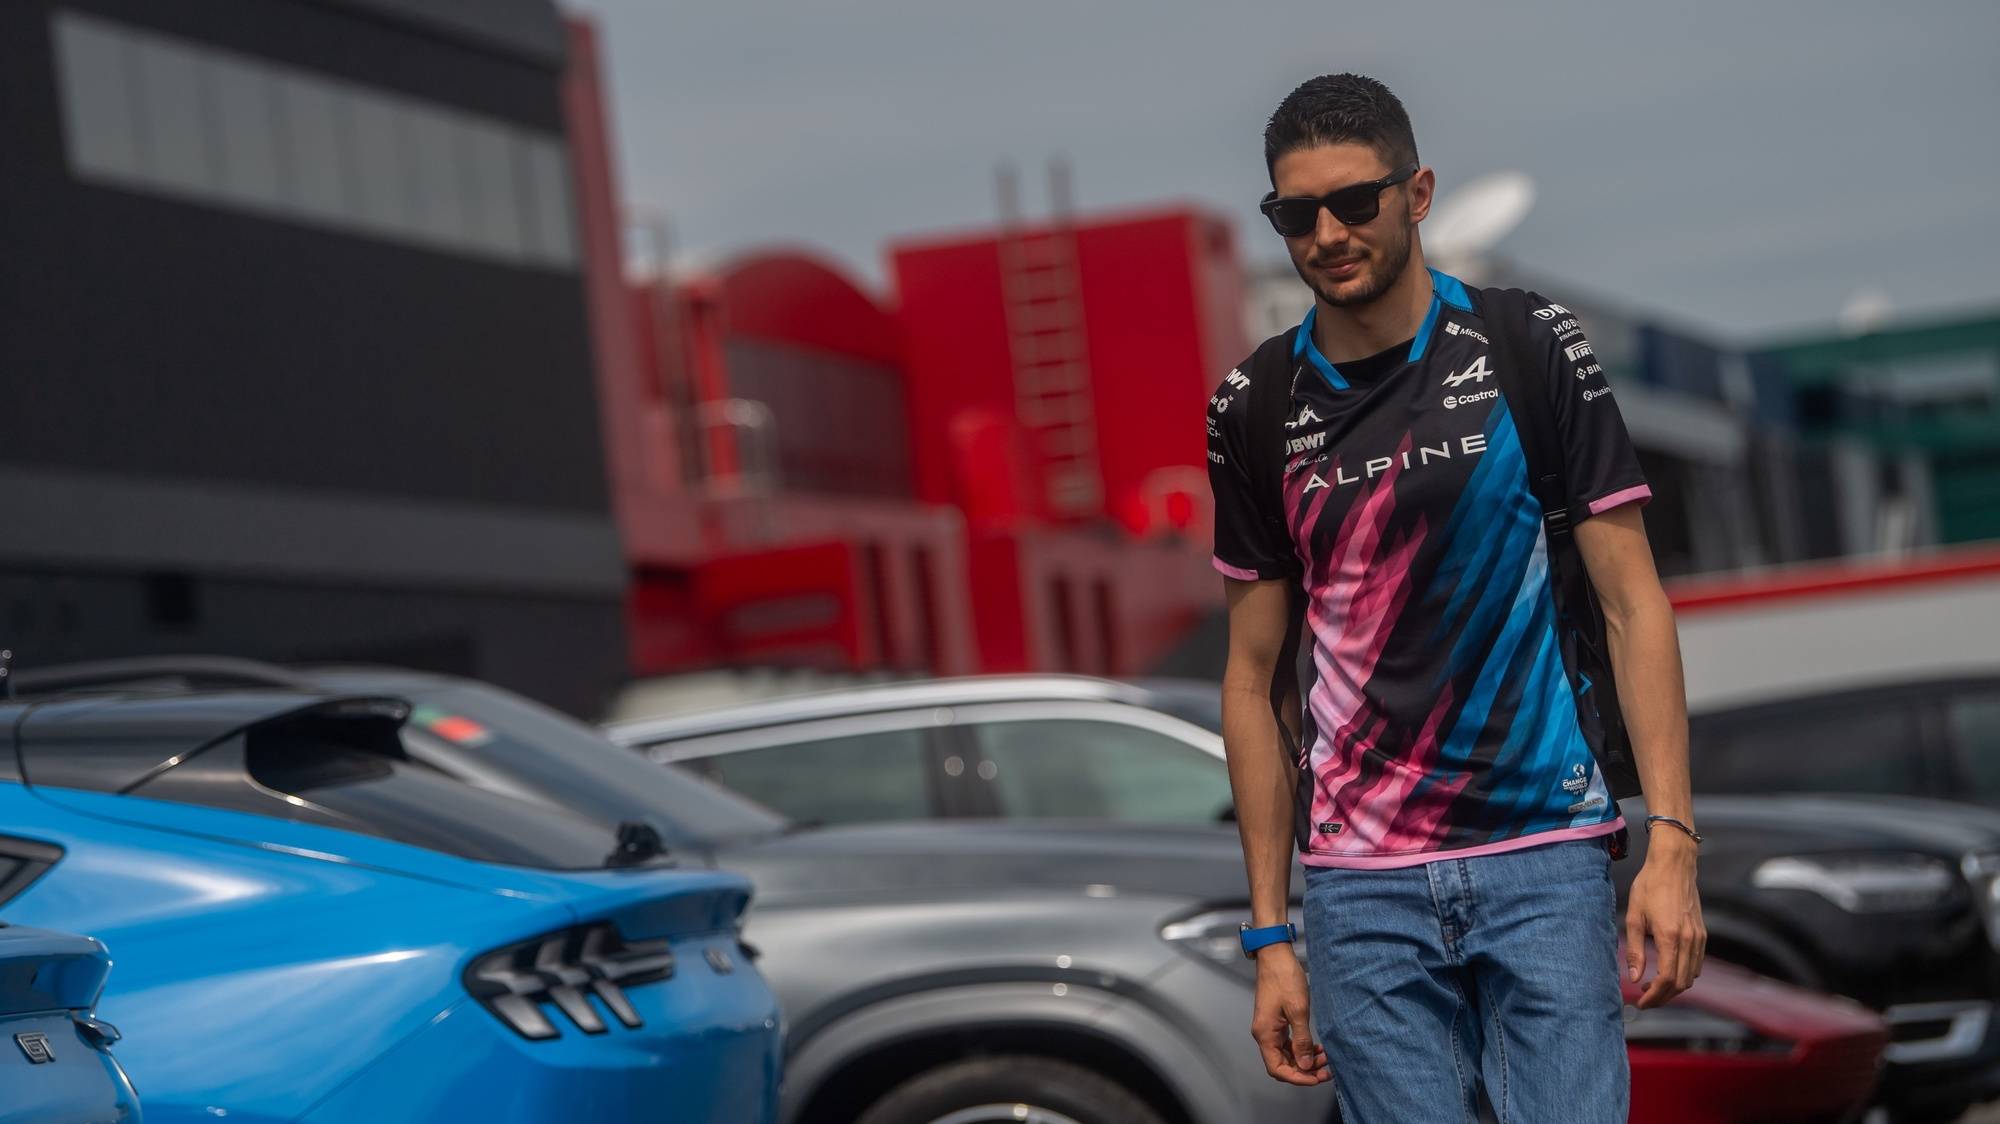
[
  {"x": 1005, "y": 747},
  {"x": 966, "y": 967}
]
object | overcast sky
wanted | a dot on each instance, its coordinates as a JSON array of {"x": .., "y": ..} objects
[{"x": 1737, "y": 165}]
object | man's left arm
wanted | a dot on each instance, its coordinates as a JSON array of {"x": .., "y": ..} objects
[{"x": 1646, "y": 662}]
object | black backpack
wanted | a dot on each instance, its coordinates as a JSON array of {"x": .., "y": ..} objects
[{"x": 1579, "y": 621}]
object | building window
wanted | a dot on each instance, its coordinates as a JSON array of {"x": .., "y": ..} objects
[{"x": 150, "y": 112}]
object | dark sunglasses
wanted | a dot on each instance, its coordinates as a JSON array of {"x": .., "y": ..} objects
[{"x": 1297, "y": 215}]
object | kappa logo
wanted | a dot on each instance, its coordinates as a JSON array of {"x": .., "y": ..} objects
[
  {"x": 1477, "y": 372},
  {"x": 1579, "y": 781},
  {"x": 1306, "y": 417},
  {"x": 1330, "y": 828},
  {"x": 1576, "y": 351}
]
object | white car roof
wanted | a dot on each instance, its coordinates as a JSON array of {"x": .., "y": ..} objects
[{"x": 958, "y": 691}]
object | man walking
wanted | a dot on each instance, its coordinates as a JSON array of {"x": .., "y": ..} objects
[{"x": 1437, "y": 762}]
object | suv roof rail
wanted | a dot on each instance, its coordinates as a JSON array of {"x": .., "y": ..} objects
[{"x": 140, "y": 671}]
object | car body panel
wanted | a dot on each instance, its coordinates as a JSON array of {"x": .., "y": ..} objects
[
  {"x": 262, "y": 977},
  {"x": 463, "y": 1065},
  {"x": 1829, "y": 1061},
  {"x": 1940, "y": 952},
  {"x": 55, "y": 1062},
  {"x": 915, "y": 695}
]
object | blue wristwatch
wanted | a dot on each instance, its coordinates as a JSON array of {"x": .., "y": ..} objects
[{"x": 1254, "y": 939}]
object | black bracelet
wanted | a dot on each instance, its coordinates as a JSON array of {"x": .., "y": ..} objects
[{"x": 1690, "y": 832}]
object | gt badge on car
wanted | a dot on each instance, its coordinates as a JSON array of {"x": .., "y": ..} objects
[{"x": 36, "y": 1045}]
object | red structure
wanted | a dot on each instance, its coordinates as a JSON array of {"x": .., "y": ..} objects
[
  {"x": 1143, "y": 310},
  {"x": 1001, "y": 470}
]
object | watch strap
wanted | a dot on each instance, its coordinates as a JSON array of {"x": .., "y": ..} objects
[{"x": 1254, "y": 939}]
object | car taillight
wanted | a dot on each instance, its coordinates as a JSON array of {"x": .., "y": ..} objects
[{"x": 517, "y": 983}]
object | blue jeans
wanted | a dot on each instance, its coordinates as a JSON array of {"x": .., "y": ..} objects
[{"x": 1498, "y": 971}]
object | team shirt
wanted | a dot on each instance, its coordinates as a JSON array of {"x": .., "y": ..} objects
[{"x": 1439, "y": 719}]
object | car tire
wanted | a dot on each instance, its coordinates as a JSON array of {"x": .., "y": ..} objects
[{"x": 1004, "y": 1082}]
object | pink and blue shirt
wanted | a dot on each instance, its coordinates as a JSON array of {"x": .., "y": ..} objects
[{"x": 1438, "y": 719}]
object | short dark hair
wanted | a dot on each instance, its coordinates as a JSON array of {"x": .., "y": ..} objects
[{"x": 1341, "y": 109}]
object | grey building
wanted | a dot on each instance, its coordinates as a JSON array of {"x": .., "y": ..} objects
[{"x": 294, "y": 350}]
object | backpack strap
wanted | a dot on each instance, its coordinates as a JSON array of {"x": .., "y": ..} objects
[{"x": 1524, "y": 380}]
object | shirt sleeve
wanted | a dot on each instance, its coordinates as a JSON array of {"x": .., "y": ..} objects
[
  {"x": 1244, "y": 541},
  {"x": 1600, "y": 467}
]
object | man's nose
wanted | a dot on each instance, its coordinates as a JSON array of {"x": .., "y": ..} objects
[{"x": 1328, "y": 232}]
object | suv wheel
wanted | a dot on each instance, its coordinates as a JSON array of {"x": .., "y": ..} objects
[{"x": 997, "y": 1090}]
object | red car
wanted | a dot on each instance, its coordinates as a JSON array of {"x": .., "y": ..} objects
[{"x": 1737, "y": 1048}]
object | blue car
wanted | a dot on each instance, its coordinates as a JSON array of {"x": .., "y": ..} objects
[
  {"x": 55, "y": 1055},
  {"x": 296, "y": 943}
]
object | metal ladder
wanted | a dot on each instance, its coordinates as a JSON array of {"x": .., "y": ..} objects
[{"x": 1043, "y": 293}]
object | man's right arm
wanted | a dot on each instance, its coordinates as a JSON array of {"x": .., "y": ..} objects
[
  {"x": 1261, "y": 773},
  {"x": 1261, "y": 776}
]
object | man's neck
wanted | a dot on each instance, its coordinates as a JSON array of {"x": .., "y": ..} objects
[{"x": 1344, "y": 334}]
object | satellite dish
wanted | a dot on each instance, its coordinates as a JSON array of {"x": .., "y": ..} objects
[{"x": 1470, "y": 221}]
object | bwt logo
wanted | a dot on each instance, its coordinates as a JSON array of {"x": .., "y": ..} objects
[
  {"x": 1454, "y": 401},
  {"x": 1237, "y": 379},
  {"x": 1309, "y": 441}
]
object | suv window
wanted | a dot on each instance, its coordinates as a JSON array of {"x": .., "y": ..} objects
[
  {"x": 1814, "y": 746},
  {"x": 1972, "y": 723},
  {"x": 880, "y": 775},
  {"x": 1046, "y": 768}
]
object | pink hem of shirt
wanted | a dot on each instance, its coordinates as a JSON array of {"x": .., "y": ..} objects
[
  {"x": 1236, "y": 572},
  {"x": 1605, "y": 503},
  {"x": 1521, "y": 842}
]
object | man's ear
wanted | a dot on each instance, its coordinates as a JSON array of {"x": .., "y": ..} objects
[{"x": 1423, "y": 186}]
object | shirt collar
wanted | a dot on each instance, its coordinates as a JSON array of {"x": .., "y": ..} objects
[{"x": 1446, "y": 291}]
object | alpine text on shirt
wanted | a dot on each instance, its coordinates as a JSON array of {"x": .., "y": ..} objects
[{"x": 1439, "y": 719}]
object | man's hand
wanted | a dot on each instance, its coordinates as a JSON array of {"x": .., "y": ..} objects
[
  {"x": 1665, "y": 906},
  {"x": 1282, "y": 1022}
]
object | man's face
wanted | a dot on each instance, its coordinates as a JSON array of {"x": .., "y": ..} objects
[{"x": 1351, "y": 265}]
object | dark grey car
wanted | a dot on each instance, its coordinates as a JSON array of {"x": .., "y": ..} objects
[{"x": 1090, "y": 970}]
